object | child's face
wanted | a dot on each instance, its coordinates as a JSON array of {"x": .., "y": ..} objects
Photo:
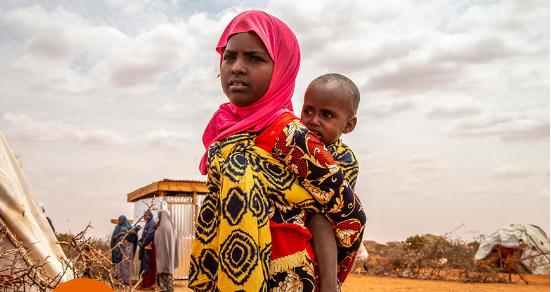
[
  {"x": 246, "y": 69},
  {"x": 325, "y": 112}
]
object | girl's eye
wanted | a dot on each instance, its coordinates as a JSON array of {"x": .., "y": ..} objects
[
  {"x": 257, "y": 59},
  {"x": 228, "y": 57},
  {"x": 307, "y": 112}
]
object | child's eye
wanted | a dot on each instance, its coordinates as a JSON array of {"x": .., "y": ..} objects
[
  {"x": 327, "y": 115},
  {"x": 228, "y": 57},
  {"x": 307, "y": 112}
]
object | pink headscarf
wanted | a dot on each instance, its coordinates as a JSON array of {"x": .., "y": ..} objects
[{"x": 282, "y": 46}]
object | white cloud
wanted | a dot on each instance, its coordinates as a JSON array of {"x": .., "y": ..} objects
[
  {"x": 508, "y": 126},
  {"x": 544, "y": 195},
  {"x": 512, "y": 172},
  {"x": 412, "y": 77},
  {"x": 41, "y": 129},
  {"x": 136, "y": 80},
  {"x": 170, "y": 140},
  {"x": 382, "y": 108},
  {"x": 424, "y": 163},
  {"x": 454, "y": 109}
]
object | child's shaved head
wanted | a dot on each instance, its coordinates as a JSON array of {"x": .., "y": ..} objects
[{"x": 352, "y": 97}]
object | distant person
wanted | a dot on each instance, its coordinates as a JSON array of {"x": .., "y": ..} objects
[
  {"x": 148, "y": 262},
  {"x": 166, "y": 251},
  {"x": 122, "y": 243},
  {"x": 329, "y": 110},
  {"x": 136, "y": 229},
  {"x": 47, "y": 218},
  {"x": 88, "y": 261}
]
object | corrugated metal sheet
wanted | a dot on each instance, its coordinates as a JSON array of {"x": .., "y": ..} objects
[{"x": 183, "y": 218}]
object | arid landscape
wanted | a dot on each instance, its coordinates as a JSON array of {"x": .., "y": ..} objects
[{"x": 364, "y": 283}]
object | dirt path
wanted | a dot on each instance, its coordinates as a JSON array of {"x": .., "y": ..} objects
[
  {"x": 357, "y": 283},
  {"x": 362, "y": 283}
]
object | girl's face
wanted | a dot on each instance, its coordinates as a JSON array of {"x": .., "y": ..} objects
[{"x": 246, "y": 69}]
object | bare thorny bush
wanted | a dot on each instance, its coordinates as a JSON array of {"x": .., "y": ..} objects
[
  {"x": 19, "y": 272},
  {"x": 87, "y": 257},
  {"x": 440, "y": 258}
]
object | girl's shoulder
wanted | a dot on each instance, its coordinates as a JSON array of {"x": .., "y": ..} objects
[{"x": 267, "y": 138}]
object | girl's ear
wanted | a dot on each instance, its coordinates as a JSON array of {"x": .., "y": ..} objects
[{"x": 350, "y": 125}]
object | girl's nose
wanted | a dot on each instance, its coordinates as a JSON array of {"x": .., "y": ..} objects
[{"x": 238, "y": 67}]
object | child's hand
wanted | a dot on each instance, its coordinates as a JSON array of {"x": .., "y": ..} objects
[{"x": 329, "y": 287}]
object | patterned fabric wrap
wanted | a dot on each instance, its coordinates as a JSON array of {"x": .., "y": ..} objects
[
  {"x": 247, "y": 187},
  {"x": 309, "y": 159},
  {"x": 347, "y": 160}
]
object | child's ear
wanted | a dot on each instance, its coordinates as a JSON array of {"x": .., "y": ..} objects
[{"x": 350, "y": 125}]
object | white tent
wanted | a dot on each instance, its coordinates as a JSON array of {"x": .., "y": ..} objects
[
  {"x": 535, "y": 253},
  {"x": 361, "y": 258},
  {"x": 24, "y": 219}
]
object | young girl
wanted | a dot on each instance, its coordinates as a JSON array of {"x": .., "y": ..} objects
[{"x": 265, "y": 172}]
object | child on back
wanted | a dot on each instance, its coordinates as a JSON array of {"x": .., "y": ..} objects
[
  {"x": 329, "y": 110},
  {"x": 265, "y": 172}
]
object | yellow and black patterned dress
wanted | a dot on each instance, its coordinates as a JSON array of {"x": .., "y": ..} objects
[{"x": 248, "y": 186}]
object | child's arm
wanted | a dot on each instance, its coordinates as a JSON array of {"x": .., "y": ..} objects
[{"x": 325, "y": 251}]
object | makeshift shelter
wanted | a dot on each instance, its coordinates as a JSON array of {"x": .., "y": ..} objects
[
  {"x": 24, "y": 223},
  {"x": 525, "y": 246},
  {"x": 362, "y": 258},
  {"x": 183, "y": 199}
]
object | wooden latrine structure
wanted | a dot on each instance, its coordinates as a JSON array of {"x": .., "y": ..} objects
[{"x": 183, "y": 199}]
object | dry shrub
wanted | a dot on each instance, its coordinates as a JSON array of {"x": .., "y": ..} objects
[
  {"x": 87, "y": 258},
  {"x": 19, "y": 272},
  {"x": 437, "y": 258}
]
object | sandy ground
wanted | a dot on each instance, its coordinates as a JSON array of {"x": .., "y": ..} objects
[{"x": 363, "y": 283}]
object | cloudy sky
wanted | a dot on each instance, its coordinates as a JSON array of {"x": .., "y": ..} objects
[{"x": 99, "y": 98}]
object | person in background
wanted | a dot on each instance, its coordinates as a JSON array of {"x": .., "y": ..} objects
[
  {"x": 48, "y": 218},
  {"x": 166, "y": 251},
  {"x": 122, "y": 243},
  {"x": 148, "y": 263},
  {"x": 136, "y": 229},
  {"x": 88, "y": 259}
]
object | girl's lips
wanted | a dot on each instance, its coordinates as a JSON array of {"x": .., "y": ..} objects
[
  {"x": 237, "y": 82},
  {"x": 237, "y": 85}
]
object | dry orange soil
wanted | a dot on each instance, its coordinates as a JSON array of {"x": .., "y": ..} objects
[{"x": 363, "y": 283}]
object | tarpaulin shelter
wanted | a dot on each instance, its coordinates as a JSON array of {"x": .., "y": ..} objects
[
  {"x": 527, "y": 242},
  {"x": 24, "y": 222}
]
